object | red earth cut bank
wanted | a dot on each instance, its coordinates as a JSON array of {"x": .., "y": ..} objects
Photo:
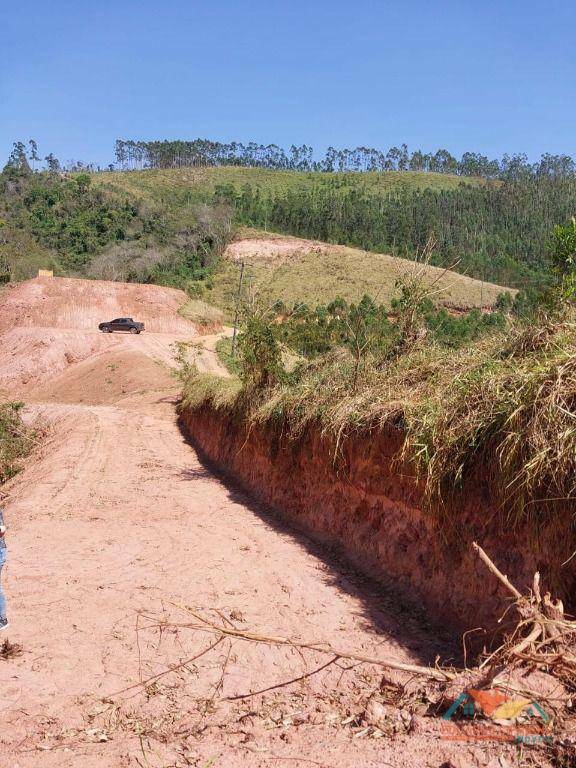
[{"x": 373, "y": 513}]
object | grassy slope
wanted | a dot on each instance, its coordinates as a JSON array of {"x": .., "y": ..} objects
[
  {"x": 316, "y": 273},
  {"x": 177, "y": 183},
  {"x": 312, "y": 275}
]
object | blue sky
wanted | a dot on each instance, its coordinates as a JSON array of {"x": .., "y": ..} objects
[{"x": 475, "y": 75}]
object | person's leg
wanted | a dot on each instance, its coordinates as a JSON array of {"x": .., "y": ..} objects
[{"x": 2, "y": 598}]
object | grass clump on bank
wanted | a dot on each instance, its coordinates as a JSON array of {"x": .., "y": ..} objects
[
  {"x": 15, "y": 440},
  {"x": 508, "y": 418},
  {"x": 502, "y": 410},
  {"x": 224, "y": 352},
  {"x": 201, "y": 313}
]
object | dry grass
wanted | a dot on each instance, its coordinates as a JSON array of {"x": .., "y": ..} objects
[
  {"x": 520, "y": 414},
  {"x": 205, "y": 389},
  {"x": 315, "y": 273},
  {"x": 201, "y": 313},
  {"x": 506, "y": 404}
]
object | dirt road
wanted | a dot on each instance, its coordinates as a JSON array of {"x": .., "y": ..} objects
[{"x": 115, "y": 524}]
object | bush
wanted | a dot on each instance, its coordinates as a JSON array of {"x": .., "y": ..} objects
[
  {"x": 365, "y": 330},
  {"x": 564, "y": 257},
  {"x": 260, "y": 358},
  {"x": 15, "y": 440}
]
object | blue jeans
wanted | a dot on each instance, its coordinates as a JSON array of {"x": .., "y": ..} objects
[{"x": 2, "y": 598}]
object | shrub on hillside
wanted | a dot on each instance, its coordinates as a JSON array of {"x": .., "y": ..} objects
[
  {"x": 129, "y": 262},
  {"x": 260, "y": 358},
  {"x": 15, "y": 440}
]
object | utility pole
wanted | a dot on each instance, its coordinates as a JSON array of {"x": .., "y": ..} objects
[{"x": 237, "y": 312}]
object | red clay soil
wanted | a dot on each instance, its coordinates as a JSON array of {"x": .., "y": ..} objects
[
  {"x": 356, "y": 497},
  {"x": 115, "y": 524}
]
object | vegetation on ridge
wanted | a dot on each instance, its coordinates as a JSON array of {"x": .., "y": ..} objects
[
  {"x": 132, "y": 154},
  {"x": 84, "y": 229},
  {"x": 503, "y": 399}
]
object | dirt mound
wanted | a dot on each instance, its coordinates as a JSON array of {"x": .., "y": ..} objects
[
  {"x": 82, "y": 304},
  {"x": 29, "y": 356},
  {"x": 106, "y": 379}
]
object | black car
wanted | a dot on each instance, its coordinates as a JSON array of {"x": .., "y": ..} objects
[{"x": 122, "y": 324}]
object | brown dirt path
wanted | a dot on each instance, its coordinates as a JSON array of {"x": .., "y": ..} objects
[{"x": 114, "y": 522}]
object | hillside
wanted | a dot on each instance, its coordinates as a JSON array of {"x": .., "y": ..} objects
[
  {"x": 495, "y": 230},
  {"x": 172, "y": 227},
  {"x": 186, "y": 184},
  {"x": 83, "y": 228},
  {"x": 295, "y": 270}
]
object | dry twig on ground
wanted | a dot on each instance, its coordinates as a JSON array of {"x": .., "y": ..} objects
[{"x": 204, "y": 625}]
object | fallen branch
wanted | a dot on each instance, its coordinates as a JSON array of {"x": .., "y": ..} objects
[
  {"x": 499, "y": 575},
  {"x": 542, "y": 639},
  {"x": 175, "y": 668},
  {"x": 320, "y": 647},
  {"x": 305, "y": 676}
]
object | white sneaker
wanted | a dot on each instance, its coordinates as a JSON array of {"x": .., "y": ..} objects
[{"x": 4, "y": 624}]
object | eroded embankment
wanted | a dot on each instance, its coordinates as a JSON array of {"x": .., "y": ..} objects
[{"x": 364, "y": 504}]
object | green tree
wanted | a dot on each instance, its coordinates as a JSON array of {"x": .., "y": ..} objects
[
  {"x": 564, "y": 256},
  {"x": 52, "y": 162},
  {"x": 564, "y": 247},
  {"x": 18, "y": 162},
  {"x": 367, "y": 330},
  {"x": 260, "y": 357},
  {"x": 83, "y": 182},
  {"x": 34, "y": 156}
]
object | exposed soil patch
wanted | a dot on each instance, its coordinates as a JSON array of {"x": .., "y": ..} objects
[
  {"x": 106, "y": 379},
  {"x": 82, "y": 304},
  {"x": 273, "y": 249}
]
